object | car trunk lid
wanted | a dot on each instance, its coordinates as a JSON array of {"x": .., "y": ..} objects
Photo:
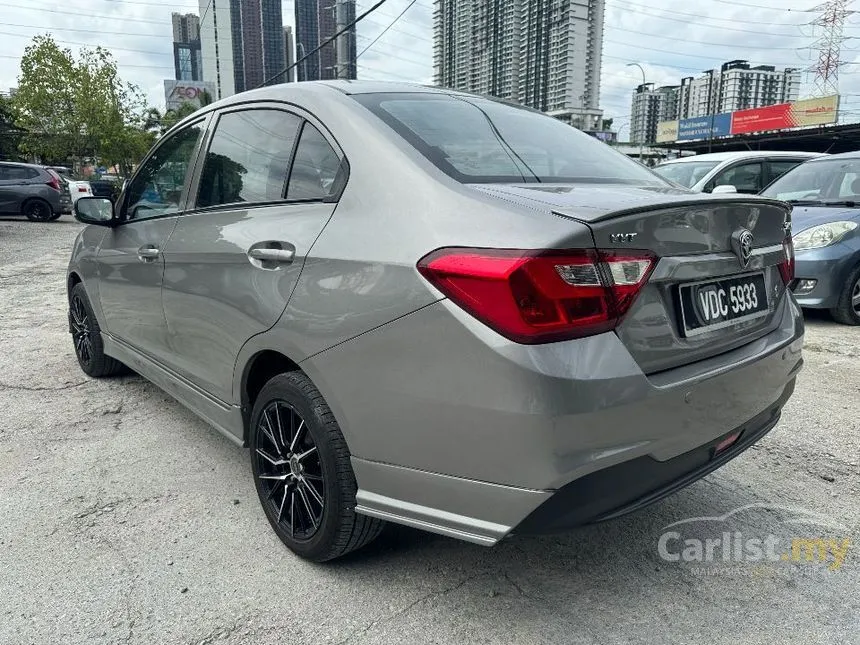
[{"x": 680, "y": 316}]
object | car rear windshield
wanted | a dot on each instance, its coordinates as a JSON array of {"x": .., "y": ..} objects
[
  {"x": 477, "y": 140},
  {"x": 686, "y": 173}
]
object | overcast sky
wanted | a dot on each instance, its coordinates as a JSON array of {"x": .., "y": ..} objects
[{"x": 669, "y": 38}]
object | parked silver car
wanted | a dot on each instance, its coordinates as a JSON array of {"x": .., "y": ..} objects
[
  {"x": 432, "y": 308},
  {"x": 29, "y": 190}
]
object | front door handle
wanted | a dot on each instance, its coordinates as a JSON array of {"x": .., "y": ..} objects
[{"x": 148, "y": 253}]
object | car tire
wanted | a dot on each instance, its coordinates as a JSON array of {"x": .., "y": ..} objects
[
  {"x": 54, "y": 217},
  {"x": 302, "y": 471},
  {"x": 37, "y": 210},
  {"x": 847, "y": 309},
  {"x": 87, "y": 337}
]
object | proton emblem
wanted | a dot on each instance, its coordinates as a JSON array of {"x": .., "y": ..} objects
[{"x": 742, "y": 244}]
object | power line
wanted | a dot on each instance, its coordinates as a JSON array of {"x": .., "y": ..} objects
[
  {"x": 72, "y": 42},
  {"x": 88, "y": 31},
  {"x": 701, "y": 42},
  {"x": 120, "y": 64},
  {"x": 90, "y": 15},
  {"x": 328, "y": 41},
  {"x": 382, "y": 33},
  {"x": 692, "y": 15}
]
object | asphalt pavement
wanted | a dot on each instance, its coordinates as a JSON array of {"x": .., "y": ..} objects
[{"x": 125, "y": 519}]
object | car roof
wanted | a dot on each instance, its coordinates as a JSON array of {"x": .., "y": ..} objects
[
  {"x": 22, "y": 165},
  {"x": 745, "y": 154}
]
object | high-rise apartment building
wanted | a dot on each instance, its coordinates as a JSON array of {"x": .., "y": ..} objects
[
  {"x": 242, "y": 43},
  {"x": 735, "y": 86},
  {"x": 542, "y": 53},
  {"x": 187, "y": 62},
  {"x": 316, "y": 22},
  {"x": 650, "y": 106}
]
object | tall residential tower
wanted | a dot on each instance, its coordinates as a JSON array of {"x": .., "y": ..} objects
[
  {"x": 316, "y": 22},
  {"x": 242, "y": 43},
  {"x": 186, "y": 47},
  {"x": 542, "y": 53}
]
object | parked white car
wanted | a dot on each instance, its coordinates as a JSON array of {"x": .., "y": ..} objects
[
  {"x": 742, "y": 172},
  {"x": 77, "y": 189}
]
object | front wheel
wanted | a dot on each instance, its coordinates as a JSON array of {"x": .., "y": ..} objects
[
  {"x": 37, "y": 210},
  {"x": 87, "y": 337},
  {"x": 302, "y": 471},
  {"x": 847, "y": 309}
]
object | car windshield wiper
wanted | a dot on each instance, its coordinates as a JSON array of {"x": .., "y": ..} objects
[
  {"x": 818, "y": 202},
  {"x": 847, "y": 202},
  {"x": 804, "y": 202}
]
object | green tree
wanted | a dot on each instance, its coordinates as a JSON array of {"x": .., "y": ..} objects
[
  {"x": 10, "y": 134},
  {"x": 78, "y": 108}
]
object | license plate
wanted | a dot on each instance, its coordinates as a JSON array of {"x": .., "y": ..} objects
[{"x": 710, "y": 305}]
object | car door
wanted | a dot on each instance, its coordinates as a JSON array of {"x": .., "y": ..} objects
[
  {"x": 746, "y": 177},
  {"x": 130, "y": 260},
  {"x": 7, "y": 191},
  {"x": 266, "y": 189}
]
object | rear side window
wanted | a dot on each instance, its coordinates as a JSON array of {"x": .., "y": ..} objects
[
  {"x": 779, "y": 168},
  {"x": 317, "y": 170},
  {"x": 482, "y": 141},
  {"x": 248, "y": 158},
  {"x": 17, "y": 173}
]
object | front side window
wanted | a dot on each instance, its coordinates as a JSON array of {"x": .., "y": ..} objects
[
  {"x": 779, "y": 168},
  {"x": 477, "y": 140},
  {"x": 248, "y": 158},
  {"x": 157, "y": 188},
  {"x": 317, "y": 171}
]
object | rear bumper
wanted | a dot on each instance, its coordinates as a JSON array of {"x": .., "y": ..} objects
[{"x": 830, "y": 268}]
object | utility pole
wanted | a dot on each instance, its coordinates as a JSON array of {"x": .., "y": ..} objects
[
  {"x": 831, "y": 23},
  {"x": 641, "y": 135},
  {"x": 341, "y": 65}
]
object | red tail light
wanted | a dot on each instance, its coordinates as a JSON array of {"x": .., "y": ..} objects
[
  {"x": 535, "y": 297},
  {"x": 786, "y": 267},
  {"x": 55, "y": 180}
]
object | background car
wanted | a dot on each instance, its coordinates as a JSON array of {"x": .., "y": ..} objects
[
  {"x": 433, "y": 308},
  {"x": 77, "y": 188},
  {"x": 108, "y": 188},
  {"x": 65, "y": 194},
  {"x": 825, "y": 193},
  {"x": 747, "y": 172},
  {"x": 29, "y": 190}
]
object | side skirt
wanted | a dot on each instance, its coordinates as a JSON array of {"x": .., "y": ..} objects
[{"x": 226, "y": 418}]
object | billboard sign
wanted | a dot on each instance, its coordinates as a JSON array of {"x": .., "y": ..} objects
[
  {"x": 705, "y": 127},
  {"x": 178, "y": 92},
  {"x": 667, "y": 131},
  {"x": 816, "y": 111}
]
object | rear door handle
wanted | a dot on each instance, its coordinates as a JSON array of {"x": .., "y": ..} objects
[
  {"x": 271, "y": 255},
  {"x": 148, "y": 253}
]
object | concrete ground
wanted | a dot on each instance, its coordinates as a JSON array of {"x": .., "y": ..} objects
[{"x": 125, "y": 519}]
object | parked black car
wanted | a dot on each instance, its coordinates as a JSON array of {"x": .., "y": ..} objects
[{"x": 105, "y": 188}]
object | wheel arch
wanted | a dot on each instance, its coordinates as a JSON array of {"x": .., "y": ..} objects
[
  {"x": 258, "y": 370},
  {"x": 72, "y": 280}
]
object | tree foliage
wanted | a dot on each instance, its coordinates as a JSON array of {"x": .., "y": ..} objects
[
  {"x": 78, "y": 108},
  {"x": 10, "y": 134}
]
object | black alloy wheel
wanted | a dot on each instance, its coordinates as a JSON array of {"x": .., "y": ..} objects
[
  {"x": 303, "y": 471},
  {"x": 37, "y": 210},
  {"x": 81, "y": 330},
  {"x": 289, "y": 471}
]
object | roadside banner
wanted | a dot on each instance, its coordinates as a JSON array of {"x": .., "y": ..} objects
[
  {"x": 705, "y": 127},
  {"x": 667, "y": 131}
]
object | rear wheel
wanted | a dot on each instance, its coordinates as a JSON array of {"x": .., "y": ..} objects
[
  {"x": 847, "y": 309},
  {"x": 87, "y": 337},
  {"x": 55, "y": 216},
  {"x": 37, "y": 210},
  {"x": 302, "y": 471}
]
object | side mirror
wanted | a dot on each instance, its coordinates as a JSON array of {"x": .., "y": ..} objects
[
  {"x": 725, "y": 188},
  {"x": 94, "y": 210}
]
